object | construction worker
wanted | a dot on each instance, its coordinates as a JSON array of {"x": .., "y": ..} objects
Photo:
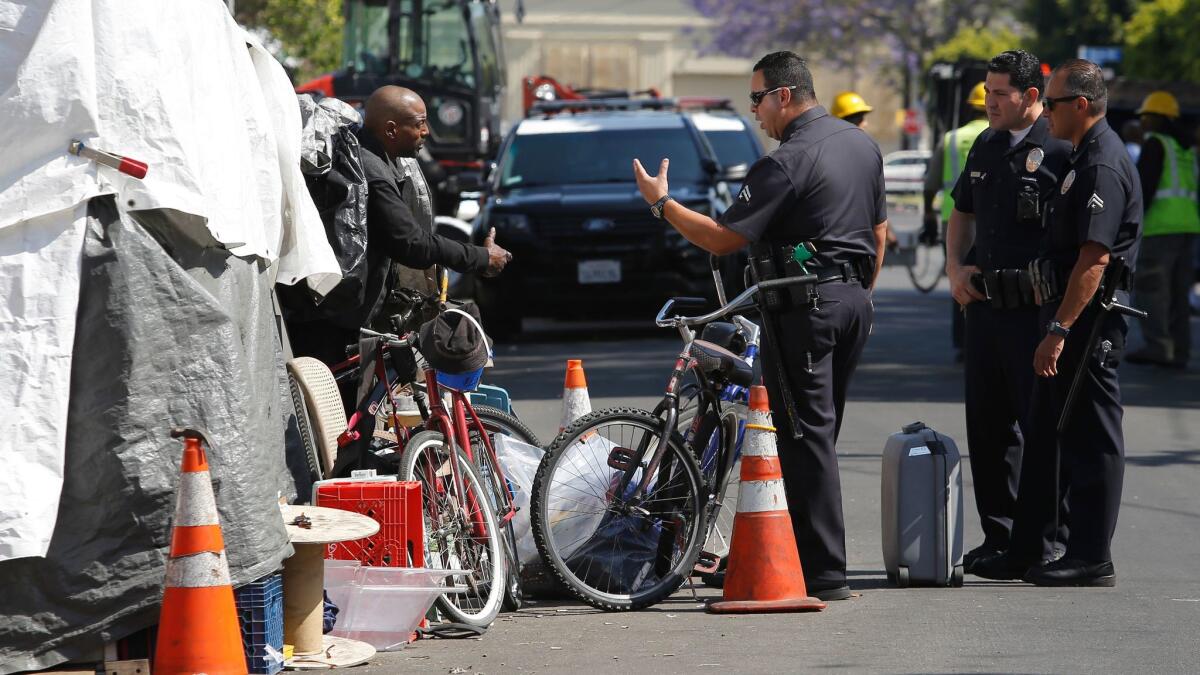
[
  {"x": 851, "y": 107},
  {"x": 822, "y": 190},
  {"x": 1008, "y": 177},
  {"x": 945, "y": 166},
  {"x": 1166, "y": 262}
]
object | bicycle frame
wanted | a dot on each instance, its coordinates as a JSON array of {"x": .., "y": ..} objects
[
  {"x": 668, "y": 408},
  {"x": 455, "y": 424}
]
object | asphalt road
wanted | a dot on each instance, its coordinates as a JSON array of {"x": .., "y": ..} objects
[{"x": 1149, "y": 623}]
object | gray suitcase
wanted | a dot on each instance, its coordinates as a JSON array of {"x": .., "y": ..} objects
[{"x": 922, "y": 502}]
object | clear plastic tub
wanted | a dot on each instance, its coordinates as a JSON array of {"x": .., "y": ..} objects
[
  {"x": 339, "y": 578},
  {"x": 386, "y": 604}
]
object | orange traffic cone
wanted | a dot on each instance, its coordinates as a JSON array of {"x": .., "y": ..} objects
[
  {"x": 198, "y": 628},
  {"x": 764, "y": 573},
  {"x": 576, "y": 403}
]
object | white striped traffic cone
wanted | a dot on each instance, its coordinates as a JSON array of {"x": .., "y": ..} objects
[
  {"x": 576, "y": 403},
  {"x": 198, "y": 628},
  {"x": 764, "y": 573}
]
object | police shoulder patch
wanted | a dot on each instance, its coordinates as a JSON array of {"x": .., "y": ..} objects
[
  {"x": 1068, "y": 181},
  {"x": 744, "y": 195},
  {"x": 1095, "y": 204}
]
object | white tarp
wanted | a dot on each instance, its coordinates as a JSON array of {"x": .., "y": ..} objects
[
  {"x": 175, "y": 85},
  {"x": 39, "y": 280}
]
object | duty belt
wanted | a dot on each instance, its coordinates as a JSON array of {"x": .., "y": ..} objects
[
  {"x": 1050, "y": 278},
  {"x": 1005, "y": 288}
]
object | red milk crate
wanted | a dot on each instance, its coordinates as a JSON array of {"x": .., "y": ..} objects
[{"x": 395, "y": 504}]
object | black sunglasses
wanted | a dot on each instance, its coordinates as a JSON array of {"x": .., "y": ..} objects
[
  {"x": 756, "y": 97},
  {"x": 1051, "y": 102}
]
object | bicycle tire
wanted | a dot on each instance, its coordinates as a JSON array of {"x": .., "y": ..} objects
[
  {"x": 497, "y": 421},
  {"x": 925, "y": 271},
  {"x": 506, "y": 423},
  {"x": 514, "y": 597},
  {"x": 670, "y": 568},
  {"x": 439, "y": 536}
]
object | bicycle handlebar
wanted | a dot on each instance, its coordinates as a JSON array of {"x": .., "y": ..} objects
[
  {"x": 391, "y": 339},
  {"x": 662, "y": 321}
]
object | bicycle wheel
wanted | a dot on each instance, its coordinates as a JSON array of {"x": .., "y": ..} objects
[
  {"x": 460, "y": 530},
  {"x": 496, "y": 420},
  {"x": 927, "y": 267},
  {"x": 611, "y": 552},
  {"x": 514, "y": 597}
]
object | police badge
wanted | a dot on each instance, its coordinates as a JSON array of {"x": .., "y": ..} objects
[
  {"x": 1068, "y": 181},
  {"x": 1034, "y": 159}
]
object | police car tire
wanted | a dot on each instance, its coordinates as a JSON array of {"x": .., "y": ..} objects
[{"x": 540, "y": 498}]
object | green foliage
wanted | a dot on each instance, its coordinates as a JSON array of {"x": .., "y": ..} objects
[
  {"x": 310, "y": 30},
  {"x": 975, "y": 43},
  {"x": 1061, "y": 26},
  {"x": 1158, "y": 41}
]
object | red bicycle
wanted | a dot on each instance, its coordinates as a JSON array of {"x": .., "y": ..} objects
[{"x": 468, "y": 503}]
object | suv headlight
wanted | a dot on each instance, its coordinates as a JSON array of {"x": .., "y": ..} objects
[{"x": 510, "y": 222}]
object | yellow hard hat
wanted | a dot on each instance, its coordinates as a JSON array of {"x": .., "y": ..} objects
[
  {"x": 848, "y": 103},
  {"x": 977, "y": 98},
  {"x": 1160, "y": 103}
]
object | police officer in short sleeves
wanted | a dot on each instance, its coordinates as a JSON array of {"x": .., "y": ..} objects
[
  {"x": 1095, "y": 217},
  {"x": 821, "y": 190},
  {"x": 995, "y": 230}
]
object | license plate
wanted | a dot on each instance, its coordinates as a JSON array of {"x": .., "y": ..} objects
[{"x": 600, "y": 271}]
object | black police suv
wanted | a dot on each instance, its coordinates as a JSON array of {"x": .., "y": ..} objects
[{"x": 563, "y": 200}]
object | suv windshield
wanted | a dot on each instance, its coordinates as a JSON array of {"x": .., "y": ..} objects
[
  {"x": 601, "y": 156},
  {"x": 732, "y": 147}
]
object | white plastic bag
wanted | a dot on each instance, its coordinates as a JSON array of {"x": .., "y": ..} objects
[{"x": 520, "y": 464}]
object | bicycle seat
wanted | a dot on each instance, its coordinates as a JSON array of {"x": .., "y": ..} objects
[{"x": 721, "y": 364}]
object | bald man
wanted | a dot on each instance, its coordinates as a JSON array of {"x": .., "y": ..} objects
[{"x": 399, "y": 207}]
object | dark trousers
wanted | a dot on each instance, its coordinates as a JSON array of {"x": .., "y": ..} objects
[
  {"x": 1165, "y": 274},
  {"x": 1092, "y": 448},
  {"x": 998, "y": 374},
  {"x": 820, "y": 352}
]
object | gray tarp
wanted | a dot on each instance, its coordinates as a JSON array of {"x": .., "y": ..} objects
[{"x": 170, "y": 332}]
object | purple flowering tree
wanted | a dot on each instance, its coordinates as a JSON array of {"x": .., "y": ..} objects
[{"x": 889, "y": 37}]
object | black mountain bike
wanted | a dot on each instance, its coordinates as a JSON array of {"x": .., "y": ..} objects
[{"x": 621, "y": 506}]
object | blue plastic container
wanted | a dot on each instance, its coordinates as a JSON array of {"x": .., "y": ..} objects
[{"x": 260, "y": 613}]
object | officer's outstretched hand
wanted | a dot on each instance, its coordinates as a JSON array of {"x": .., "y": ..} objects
[
  {"x": 961, "y": 288},
  {"x": 652, "y": 188},
  {"x": 1045, "y": 359},
  {"x": 497, "y": 257}
]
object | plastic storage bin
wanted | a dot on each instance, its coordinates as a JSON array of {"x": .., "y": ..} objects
[
  {"x": 339, "y": 578},
  {"x": 386, "y": 604},
  {"x": 260, "y": 613}
]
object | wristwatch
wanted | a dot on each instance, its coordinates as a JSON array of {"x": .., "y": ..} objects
[
  {"x": 657, "y": 207},
  {"x": 1056, "y": 328}
]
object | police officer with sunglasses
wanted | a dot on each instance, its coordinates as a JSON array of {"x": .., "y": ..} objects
[{"x": 814, "y": 206}]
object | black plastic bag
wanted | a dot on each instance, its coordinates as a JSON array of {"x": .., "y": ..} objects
[{"x": 338, "y": 187}]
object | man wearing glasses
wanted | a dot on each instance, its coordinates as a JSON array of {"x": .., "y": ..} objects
[
  {"x": 1094, "y": 217},
  {"x": 994, "y": 230},
  {"x": 820, "y": 193}
]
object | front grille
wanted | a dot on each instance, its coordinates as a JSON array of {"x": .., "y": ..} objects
[{"x": 572, "y": 226}]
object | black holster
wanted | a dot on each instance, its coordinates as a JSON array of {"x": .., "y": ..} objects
[{"x": 1005, "y": 288}]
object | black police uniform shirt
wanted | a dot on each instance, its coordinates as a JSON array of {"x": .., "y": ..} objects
[
  {"x": 1006, "y": 188},
  {"x": 823, "y": 184},
  {"x": 1099, "y": 199}
]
